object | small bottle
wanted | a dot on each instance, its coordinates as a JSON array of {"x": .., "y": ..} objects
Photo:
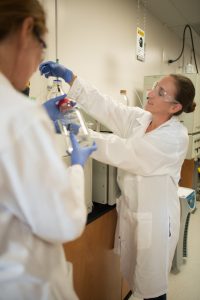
[
  {"x": 123, "y": 97},
  {"x": 72, "y": 119},
  {"x": 189, "y": 69},
  {"x": 55, "y": 90}
]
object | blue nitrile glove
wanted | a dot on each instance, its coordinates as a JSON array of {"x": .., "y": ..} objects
[
  {"x": 51, "y": 68},
  {"x": 79, "y": 154},
  {"x": 74, "y": 128},
  {"x": 57, "y": 127},
  {"x": 52, "y": 108}
]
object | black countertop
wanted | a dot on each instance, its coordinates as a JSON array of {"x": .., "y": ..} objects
[{"x": 98, "y": 210}]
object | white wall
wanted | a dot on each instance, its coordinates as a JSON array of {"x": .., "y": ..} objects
[{"x": 97, "y": 40}]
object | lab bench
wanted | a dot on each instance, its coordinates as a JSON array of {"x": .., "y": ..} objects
[
  {"x": 96, "y": 268},
  {"x": 98, "y": 210}
]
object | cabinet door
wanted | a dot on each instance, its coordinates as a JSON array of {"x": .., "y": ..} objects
[{"x": 96, "y": 267}]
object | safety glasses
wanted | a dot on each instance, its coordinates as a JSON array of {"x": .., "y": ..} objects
[
  {"x": 159, "y": 91},
  {"x": 41, "y": 42}
]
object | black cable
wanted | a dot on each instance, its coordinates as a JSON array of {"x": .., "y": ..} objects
[{"x": 173, "y": 60}]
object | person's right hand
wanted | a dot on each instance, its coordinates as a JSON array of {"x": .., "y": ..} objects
[
  {"x": 52, "y": 107},
  {"x": 79, "y": 155},
  {"x": 51, "y": 68}
]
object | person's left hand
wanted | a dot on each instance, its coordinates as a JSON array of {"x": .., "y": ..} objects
[
  {"x": 79, "y": 155},
  {"x": 52, "y": 108},
  {"x": 74, "y": 128}
]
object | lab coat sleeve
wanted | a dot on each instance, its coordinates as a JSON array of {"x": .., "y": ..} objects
[
  {"x": 146, "y": 156},
  {"x": 103, "y": 108},
  {"x": 39, "y": 188}
]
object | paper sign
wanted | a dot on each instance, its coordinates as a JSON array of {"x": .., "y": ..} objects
[{"x": 140, "y": 54}]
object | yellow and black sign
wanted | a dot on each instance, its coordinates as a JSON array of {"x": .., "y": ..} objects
[{"x": 140, "y": 53}]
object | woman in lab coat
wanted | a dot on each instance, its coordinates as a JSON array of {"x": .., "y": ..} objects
[
  {"x": 41, "y": 201},
  {"x": 148, "y": 147}
]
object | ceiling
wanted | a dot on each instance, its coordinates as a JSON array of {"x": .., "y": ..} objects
[{"x": 175, "y": 14}]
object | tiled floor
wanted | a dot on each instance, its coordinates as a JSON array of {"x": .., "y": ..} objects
[{"x": 186, "y": 284}]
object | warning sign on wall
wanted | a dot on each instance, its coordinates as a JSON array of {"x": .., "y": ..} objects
[{"x": 140, "y": 54}]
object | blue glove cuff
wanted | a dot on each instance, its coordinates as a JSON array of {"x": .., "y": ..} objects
[
  {"x": 68, "y": 75},
  {"x": 57, "y": 127}
]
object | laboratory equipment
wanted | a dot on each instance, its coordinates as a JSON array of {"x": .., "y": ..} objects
[
  {"x": 187, "y": 199},
  {"x": 72, "y": 119},
  {"x": 70, "y": 116},
  {"x": 123, "y": 97},
  {"x": 105, "y": 189},
  {"x": 55, "y": 89}
]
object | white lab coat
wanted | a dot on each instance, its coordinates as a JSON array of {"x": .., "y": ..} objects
[
  {"x": 41, "y": 204},
  {"x": 149, "y": 170}
]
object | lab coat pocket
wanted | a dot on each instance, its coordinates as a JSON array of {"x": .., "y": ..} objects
[{"x": 143, "y": 230}]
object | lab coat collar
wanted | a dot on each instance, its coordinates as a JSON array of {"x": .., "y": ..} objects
[
  {"x": 169, "y": 122},
  {"x": 147, "y": 117}
]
